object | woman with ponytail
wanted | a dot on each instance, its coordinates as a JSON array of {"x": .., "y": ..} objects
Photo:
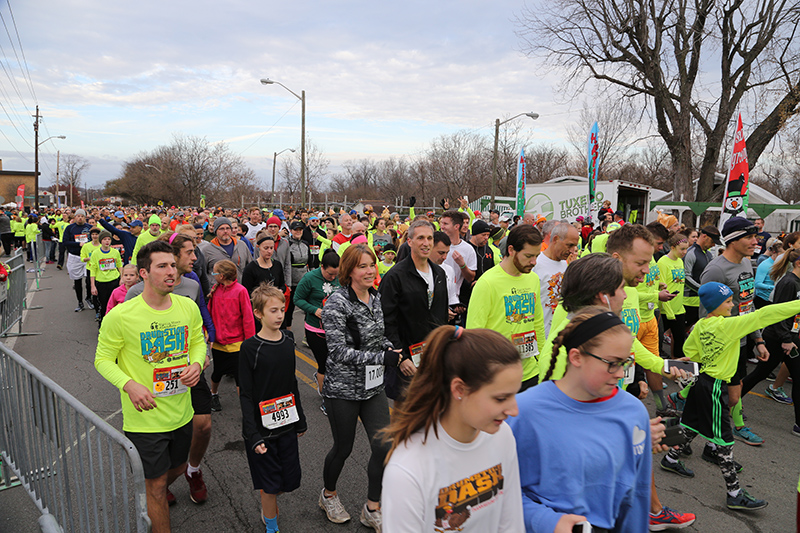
[
  {"x": 453, "y": 460},
  {"x": 605, "y": 435}
]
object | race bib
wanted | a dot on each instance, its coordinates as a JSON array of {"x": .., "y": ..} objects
[
  {"x": 757, "y": 250},
  {"x": 278, "y": 412},
  {"x": 374, "y": 376},
  {"x": 796, "y": 325},
  {"x": 416, "y": 352},
  {"x": 314, "y": 250},
  {"x": 166, "y": 382},
  {"x": 83, "y": 238},
  {"x": 107, "y": 263},
  {"x": 526, "y": 344},
  {"x": 746, "y": 307},
  {"x": 651, "y": 306},
  {"x": 627, "y": 378}
]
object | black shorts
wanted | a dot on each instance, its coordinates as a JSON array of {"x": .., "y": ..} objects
[
  {"x": 161, "y": 452},
  {"x": 225, "y": 364},
  {"x": 706, "y": 411},
  {"x": 201, "y": 396},
  {"x": 278, "y": 470}
]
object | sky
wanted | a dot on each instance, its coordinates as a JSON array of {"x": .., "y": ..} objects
[{"x": 382, "y": 79}]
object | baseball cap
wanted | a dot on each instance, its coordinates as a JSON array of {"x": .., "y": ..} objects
[
  {"x": 119, "y": 214},
  {"x": 137, "y": 223},
  {"x": 712, "y": 232},
  {"x": 712, "y": 294},
  {"x": 737, "y": 227},
  {"x": 479, "y": 226},
  {"x": 296, "y": 225},
  {"x": 505, "y": 217},
  {"x": 279, "y": 213}
]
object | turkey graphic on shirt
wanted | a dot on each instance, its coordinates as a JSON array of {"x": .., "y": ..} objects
[{"x": 459, "y": 500}]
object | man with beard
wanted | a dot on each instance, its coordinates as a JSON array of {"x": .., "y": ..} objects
[{"x": 507, "y": 300}]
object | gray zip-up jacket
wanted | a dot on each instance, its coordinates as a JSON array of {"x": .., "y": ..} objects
[
  {"x": 241, "y": 256},
  {"x": 355, "y": 337}
]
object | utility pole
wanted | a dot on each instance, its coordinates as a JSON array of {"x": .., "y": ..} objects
[
  {"x": 36, "y": 160},
  {"x": 58, "y": 162}
]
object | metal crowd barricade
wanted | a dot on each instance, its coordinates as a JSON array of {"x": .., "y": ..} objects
[
  {"x": 40, "y": 260},
  {"x": 13, "y": 294},
  {"x": 81, "y": 473}
]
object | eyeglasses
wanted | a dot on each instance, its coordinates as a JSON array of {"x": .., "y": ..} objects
[{"x": 613, "y": 366}]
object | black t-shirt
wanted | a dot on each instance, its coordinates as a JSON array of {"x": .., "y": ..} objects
[{"x": 254, "y": 275}]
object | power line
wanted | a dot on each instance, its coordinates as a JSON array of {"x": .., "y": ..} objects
[
  {"x": 14, "y": 48},
  {"x": 14, "y": 147},
  {"x": 269, "y": 129},
  {"x": 22, "y": 51},
  {"x": 15, "y": 126}
]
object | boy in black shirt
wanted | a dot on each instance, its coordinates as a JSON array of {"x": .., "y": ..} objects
[{"x": 272, "y": 417}]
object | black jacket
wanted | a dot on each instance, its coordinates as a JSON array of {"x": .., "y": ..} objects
[{"x": 404, "y": 297}]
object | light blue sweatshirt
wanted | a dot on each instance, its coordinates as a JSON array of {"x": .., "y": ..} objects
[{"x": 591, "y": 459}]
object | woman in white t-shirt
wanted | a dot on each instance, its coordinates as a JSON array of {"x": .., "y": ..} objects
[{"x": 453, "y": 463}]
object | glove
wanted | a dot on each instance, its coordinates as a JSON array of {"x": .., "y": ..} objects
[
  {"x": 442, "y": 204},
  {"x": 412, "y": 201}
]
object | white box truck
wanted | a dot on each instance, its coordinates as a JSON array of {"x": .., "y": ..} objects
[{"x": 568, "y": 197}]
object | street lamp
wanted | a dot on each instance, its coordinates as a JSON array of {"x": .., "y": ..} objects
[
  {"x": 274, "y": 158},
  {"x": 497, "y": 124},
  {"x": 151, "y": 166},
  {"x": 36, "y": 160},
  {"x": 302, "y": 98}
]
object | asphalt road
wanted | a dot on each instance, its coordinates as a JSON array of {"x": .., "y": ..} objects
[{"x": 65, "y": 352}]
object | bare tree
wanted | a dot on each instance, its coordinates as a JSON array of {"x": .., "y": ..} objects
[
  {"x": 546, "y": 161},
  {"x": 655, "y": 50},
  {"x": 72, "y": 169},
  {"x": 316, "y": 172},
  {"x": 618, "y": 124}
]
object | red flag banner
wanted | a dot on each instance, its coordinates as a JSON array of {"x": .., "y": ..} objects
[
  {"x": 736, "y": 191},
  {"x": 20, "y": 196}
]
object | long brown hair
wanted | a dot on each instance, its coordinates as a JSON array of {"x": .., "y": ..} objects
[
  {"x": 592, "y": 344},
  {"x": 783, "y": 265},
  {"x": 473, "y": 355}
]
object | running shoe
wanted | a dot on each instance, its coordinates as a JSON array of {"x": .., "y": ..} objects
[
  {"x": 796, "y": 430},
  {"x": 744, "y": 502},
  {"x": 671, "y": 519},
  {"x": 60, "y": 267},
  {"x": 677, "y": 467},
  {"x": 668, "y": 412},
  {"x": 753, "y": 361},
  {"x": 748, "y": 436},
  {"x": 79, "y": 308},
  {"x": 216, "y": 406},
  {"x": 676, "y": 401},
  {"x": 319, "y": 391},
  {"x": 89, "y": 303},
  {"x": 171, "y": 498},
  {"x": 197, "y": 487},
  {"x": 322, "y": 408},
  {"x": 778, "y": 395},
  {"x": 371, "y": 518},
  {"x": 711, "y": 456},
  {"x": 333, "y": 508}
]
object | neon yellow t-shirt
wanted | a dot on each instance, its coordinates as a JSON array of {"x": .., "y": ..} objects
[
  {"x": 510, "y": 305},
  {"x": 144, "y": 238},
  {"x": 31, "y": 231},
  {"x": 648, "y": 293},
  {"x": 86, "y": 254},
  {"x": 672, "y": 273},
  {"x": 140, "y": 343},
  {"x": 104, "y": 266},
  {"x": 383, "y": 268}
]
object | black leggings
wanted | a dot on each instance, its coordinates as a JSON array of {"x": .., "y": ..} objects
[
  {"x": 8, "y": 242},
  {"x": 678, "y": 328},
  {"x": 79, "y": 292},
  {"x": 319, "y": 347},
  {"x": 763, "y": 368},
  {"x": 104, "y": 290},
  {"x": 287, "y": 317},
  {"x": 343, "y": 416}
]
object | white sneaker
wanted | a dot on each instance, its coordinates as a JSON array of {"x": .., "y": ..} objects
[
  {"x": 371, "y": 519},
  {"x": 333, "y": 508}
]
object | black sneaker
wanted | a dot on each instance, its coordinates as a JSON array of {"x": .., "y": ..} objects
[
  {"x": 677, "y": 467},
  {"x": 59, "y": 267},
  {"x": 668, "y": 412},
  {"x": 216, "y": 406},
  {"x": 744, "y": 502},
  {"x": 711, "y": 456},
  {"x": 89, "y": 303}
]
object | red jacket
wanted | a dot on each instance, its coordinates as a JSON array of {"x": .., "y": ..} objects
[{"x": 232, "y": 313}]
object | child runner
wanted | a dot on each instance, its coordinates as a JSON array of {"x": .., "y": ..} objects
[
  {"x": 86, "y": 254},
  {"x": 129, "y": 278},
  {"x": 232, "y": 314},
  {"x": 672, "y": 274},
  {"x": 105, "y": 269},
  {"x": 564, "y": 423},
  {"x": 453, "y": 463},
  {"x": 388, "y": 256},
  {"x": 272, "y": 417},
  {"x": 714, "y": 342}
]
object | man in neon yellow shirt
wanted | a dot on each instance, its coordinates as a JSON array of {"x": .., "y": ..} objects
[
  {"x": 153, "y": 232},
  {"x": 152, "y": 349},
  {"x": 507, "y": 299}
]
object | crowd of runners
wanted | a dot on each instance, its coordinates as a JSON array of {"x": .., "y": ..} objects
[{"x": 478, "y": 351}]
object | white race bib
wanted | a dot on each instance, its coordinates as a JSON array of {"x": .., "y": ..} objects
[
  {"x": 278, "y": 412},
  {"x": 416, "y": 352},
  {"x": 166, "y": 382},
  {"x": 526, "y": 344},
  {"x": 107, "y": 264},
  {"x": 83, "y": 238},
  {"x": 374, "y": 376}
]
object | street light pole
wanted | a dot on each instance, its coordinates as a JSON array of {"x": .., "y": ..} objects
[
  {"x": 497, "y": 124},
  {"x": 36, "y": 145},
  {"x": 274, "y": 159},
  {"x": 302, "y": 98}
]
